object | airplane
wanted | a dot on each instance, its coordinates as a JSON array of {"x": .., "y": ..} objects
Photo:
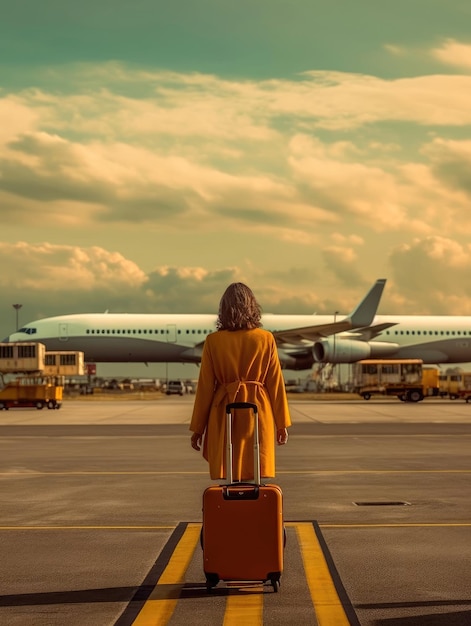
[{"x": 302, "y": 340}]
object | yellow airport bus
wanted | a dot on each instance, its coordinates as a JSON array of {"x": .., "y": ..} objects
[{"x": 404, "y": 378}]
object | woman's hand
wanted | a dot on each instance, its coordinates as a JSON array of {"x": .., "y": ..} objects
[
  {"x": 196, "y": 440},
  {"x": 282, "y": 436}
]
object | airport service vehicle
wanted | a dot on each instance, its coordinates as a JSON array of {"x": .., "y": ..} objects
[
  {"x": 175, "y": 387},
  {"x": 456, "y": 385},
  {"x": 32, "y": 391},
  {"x": 406, "y": 379},
  {"x": 465, "y": 390},
  {"x": 18, "y": 358},
  {"x": 64, "y": 363}
]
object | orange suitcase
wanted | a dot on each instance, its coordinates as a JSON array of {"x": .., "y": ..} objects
[{"x": 243, "y": 535}]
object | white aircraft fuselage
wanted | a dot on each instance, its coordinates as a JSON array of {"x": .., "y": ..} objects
[{"x": 302, "y": 339}]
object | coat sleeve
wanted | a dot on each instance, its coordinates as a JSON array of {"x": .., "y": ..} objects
[
  {"x": 275, "y": 385},
  {"x": 204, "y": 392}
]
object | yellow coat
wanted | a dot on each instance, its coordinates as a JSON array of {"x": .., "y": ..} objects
[{"x": 240, "y": 366}]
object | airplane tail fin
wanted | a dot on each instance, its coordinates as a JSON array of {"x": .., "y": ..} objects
[{"x": 364, "y": 313}]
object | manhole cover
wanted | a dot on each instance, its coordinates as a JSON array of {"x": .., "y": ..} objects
[{"x": 385, "y": 503}]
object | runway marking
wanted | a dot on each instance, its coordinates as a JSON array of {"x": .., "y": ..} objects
[
  {"x": 161, "y": 603},
  {"x": 327, "y": 605},
  {"x": 34, "y": 473},
  {"x": 288, "y": 524},
  {"x": 401, "y": 525},
  {"x": 244, "y": 609},
  {"x": 87, "y": 527}
]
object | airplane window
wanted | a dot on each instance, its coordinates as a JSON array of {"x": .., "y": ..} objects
[
  {"x": 179, "y": 331},
  {"x": 187, "y": 332},
  {"x": 162, "y": 332},
  {"x": 107, "y": 332},
  {"x": 139, "y": 332},
  {"x": 199, "y": 332},
  {"x": 133, "y": 332}
]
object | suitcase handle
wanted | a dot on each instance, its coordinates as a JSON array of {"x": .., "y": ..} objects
[
  {"x": 241, "y": 405},
  {"x": 236, "y": 492},
  {"x": 256, "y": 444}
]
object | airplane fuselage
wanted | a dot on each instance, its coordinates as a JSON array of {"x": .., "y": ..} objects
[{"x": 112, "y": 337}]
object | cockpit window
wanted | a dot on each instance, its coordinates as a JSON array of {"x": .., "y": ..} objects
[{"x": 28, "y": 331}]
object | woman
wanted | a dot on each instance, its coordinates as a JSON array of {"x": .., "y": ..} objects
[{"x": 240, "y": 364}]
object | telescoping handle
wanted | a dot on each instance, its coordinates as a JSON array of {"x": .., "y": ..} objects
[{"x": 256, "y": 442}]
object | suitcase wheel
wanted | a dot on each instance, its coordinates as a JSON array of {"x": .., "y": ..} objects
[
  {"x": 211, "y": 581},
  {"x": 275, "y": 581}
]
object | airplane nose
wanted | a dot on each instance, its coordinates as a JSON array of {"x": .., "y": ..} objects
[{"x": 6, "y": 340}]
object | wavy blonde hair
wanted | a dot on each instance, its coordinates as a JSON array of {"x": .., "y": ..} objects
[{"x": 238, "y": 309}]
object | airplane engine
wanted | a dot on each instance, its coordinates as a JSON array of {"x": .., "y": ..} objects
[
  {"x": 349, "y": 351},
  {"x": 295, "y": 362},
  {"x": 340, "y": 351}
]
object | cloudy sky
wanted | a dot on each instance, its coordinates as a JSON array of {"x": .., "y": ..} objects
[{"x": 151, "y": 152}]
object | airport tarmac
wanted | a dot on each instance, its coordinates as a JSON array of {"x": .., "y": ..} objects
[{"x": 101, "y": 513}]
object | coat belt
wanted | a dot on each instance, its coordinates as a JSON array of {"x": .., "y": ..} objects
[{"x": 230, "y": 390}]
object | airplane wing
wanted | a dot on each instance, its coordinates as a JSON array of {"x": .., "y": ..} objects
[
  {"x": 362, "y": 316},
  {"x": 194, "y": 353},
  {"x": 367, "y": 334}
]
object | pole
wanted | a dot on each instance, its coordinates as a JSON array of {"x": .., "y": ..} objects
[{"x": 17, "y": 307}]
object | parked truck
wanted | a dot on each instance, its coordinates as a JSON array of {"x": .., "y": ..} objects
[
  {"x": 32, "y": 391},
  {"x": 456, "y": 385},
  {"x": 404, "y": 378},
  {"x": 465, "y": 389}
]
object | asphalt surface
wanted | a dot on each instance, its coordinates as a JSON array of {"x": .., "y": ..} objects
[{"x": 101, "y": 511}]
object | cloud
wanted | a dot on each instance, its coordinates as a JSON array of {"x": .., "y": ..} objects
[
  {"x": 294, "y": 160},
  {"x": 454, "y": 53},
  {"x": 46, "y": 268},
  {"x": 432, "y": 275},
  {"x": 451, "y": 163}
]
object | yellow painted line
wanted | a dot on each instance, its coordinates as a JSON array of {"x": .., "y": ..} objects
[
  {"x": 34, "y": 473},
  {"x": 404, "y": 525},
  {"x": 327, "y": 604},
  {"x": 161, "y": 603},
  {"x": 373, "y": 471},
  {"x": 86, "y": 528},
  {"x": 99, "y": 473},
  {"x": 245, "y": 608}
]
